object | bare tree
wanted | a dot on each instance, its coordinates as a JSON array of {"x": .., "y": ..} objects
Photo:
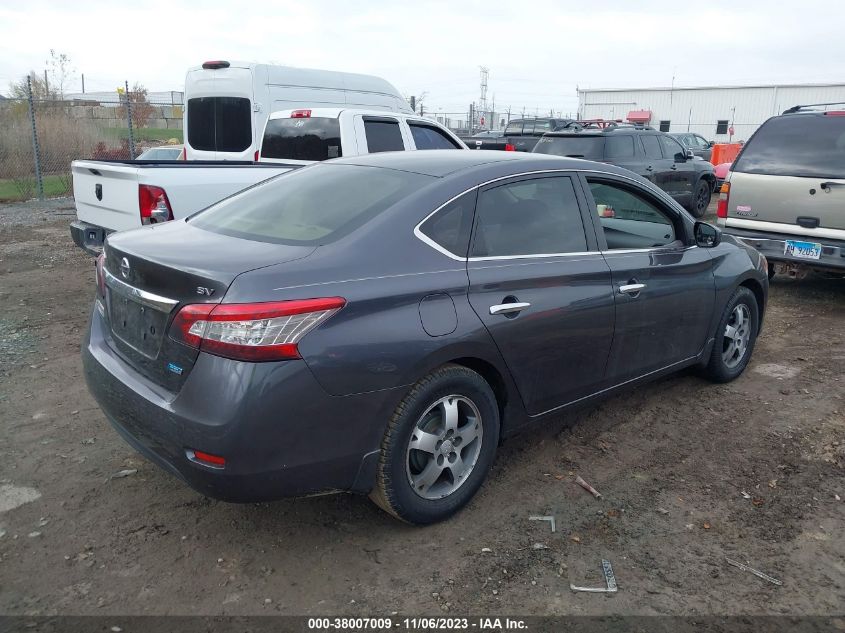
[
  {"x": 141, "y": 108},
  {"x": 61, "y": 71}
]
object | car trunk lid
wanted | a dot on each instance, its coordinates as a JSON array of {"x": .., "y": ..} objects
[{"x": 152, "y": 272}]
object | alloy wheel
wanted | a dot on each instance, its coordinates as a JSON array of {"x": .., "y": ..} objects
[
  {"x": 444, "y": 447},
  {"x": 737, "y": 335}
]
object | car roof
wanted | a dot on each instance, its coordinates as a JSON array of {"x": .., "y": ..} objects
[
  {"x": 334, "y": 113},
  {"x": 445, "y": 162}
]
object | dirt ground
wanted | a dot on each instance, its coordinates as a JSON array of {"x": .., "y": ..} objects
[{"x": 690, "y": 473}]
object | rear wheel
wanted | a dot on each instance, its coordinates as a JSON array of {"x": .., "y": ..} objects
[
  {"x": 735, "y": 337},
  {"x": 701, "y": 198},
  {"x": 438, "y": 446}
]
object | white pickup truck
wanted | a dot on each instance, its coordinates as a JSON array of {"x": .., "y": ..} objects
[{"x": 119, "y": 195}]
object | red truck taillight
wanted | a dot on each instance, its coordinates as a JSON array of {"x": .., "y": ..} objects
[
  {"x": 510, "y": 147},
  {"x": 154, "y": 205},
  {"x": 722, "y": 205},
  {"x": 251, "y": 331}
]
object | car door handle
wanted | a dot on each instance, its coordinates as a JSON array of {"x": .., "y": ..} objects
[
  {"x": 632, "y": 290},
  {"x": 673, "y": 167},
  {"x": 827, "y": 185},
  {"x": 508, "y": 308},
  {"x": 649, "y": 168}
]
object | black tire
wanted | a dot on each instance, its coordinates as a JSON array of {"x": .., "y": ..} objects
[
  {"x": 717, "y": 368},
  {"x": 394, "y": 491},
  {"x": 701, "y": 198}
]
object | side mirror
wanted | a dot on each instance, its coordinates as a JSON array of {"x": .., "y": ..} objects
[
  {"x": 682, "y": 157},
  {"x": 707, "y": 235},
  {"x": 710, "y": 144},
  {"x": 690, "y": 154}
]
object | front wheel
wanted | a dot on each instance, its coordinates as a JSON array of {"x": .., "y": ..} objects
[
  {"x": 735, "y": 337},
  {"x": 701, "y": 198},
  {"x": 438, "y": 446}
]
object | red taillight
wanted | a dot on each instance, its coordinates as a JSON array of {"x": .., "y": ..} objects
[
  {"x": 510, "y": 148},
  {"x": 101, "y": 277},
  {"x": 835, "y": 113},
  {"x": 215, "y": 64},
  {"x": 722, "y": 205},
  {"x": 300, "y": 114},
  {"x": 252, "y": 331},
  {"x": 206, "y": 458},
  {"x": 154, "y": 205}
]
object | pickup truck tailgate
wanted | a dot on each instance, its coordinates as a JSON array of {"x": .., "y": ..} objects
[{"x": 106, "y": 194}]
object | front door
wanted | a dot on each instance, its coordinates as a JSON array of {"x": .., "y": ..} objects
[
  {"x": 541, "y": 287},
  {"x": 663, "y": 286},
  {"x": 681, "y": 175}
]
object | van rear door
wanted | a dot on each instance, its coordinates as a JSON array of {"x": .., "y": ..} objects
[
  {"x": 219, "y": 122},
  {"x": 791, "y": 174}
]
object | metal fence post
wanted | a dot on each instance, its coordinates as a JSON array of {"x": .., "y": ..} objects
[
  {"x": 129, "y": 123},
  {"x": 39, "y": 182}
]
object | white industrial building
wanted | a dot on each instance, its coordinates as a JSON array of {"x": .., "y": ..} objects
[{"x": 709, "y": 111}]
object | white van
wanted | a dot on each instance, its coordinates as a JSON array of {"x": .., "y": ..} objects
[{"x": 227, "y": 103}]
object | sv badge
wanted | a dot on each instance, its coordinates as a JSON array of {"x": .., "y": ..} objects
[{"x": 201, "y": 290}]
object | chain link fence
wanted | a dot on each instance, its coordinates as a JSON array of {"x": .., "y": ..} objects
[{"x": 40, "y": 138}]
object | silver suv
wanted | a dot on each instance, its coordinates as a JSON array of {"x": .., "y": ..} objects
[{"x": 785, "y": 194}]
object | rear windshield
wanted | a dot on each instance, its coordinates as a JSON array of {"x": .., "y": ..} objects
[
  {"x": 315, "y": 138},
  {"x": 797, "y": 145},
  {"x": 589, "y": 147},
  {"x": 310, "y": 206},
  {"x": 219, "y": 124}
]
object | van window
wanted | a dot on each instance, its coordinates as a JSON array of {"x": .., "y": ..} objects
[
  {"x": 219, "y": 124},
  {"x": 429, "y": 137},
  {"x": 383, "y": 135},
  {"x": 314, "y": 205},
  {"x": 808, "y": 145},
  {"x": 315, "y": 138}
]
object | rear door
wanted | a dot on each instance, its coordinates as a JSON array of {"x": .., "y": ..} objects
[
  {"x": 656, "y": 168},
  {"x": 790, "y": 177},
  {"x": 681, "y": 175},
  {"x": 542, "y": 289},
  {"x": 663, "y": 287},
  {"x": 382, "y": 134}
]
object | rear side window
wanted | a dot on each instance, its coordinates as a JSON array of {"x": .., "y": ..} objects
[
  {"x": 219, "y": 124},
  {"x": 619, "y": 147},
  {"x": 302, "y": 139},
  {"x": 796, "y": 145},
  {"x": 451, "y": 226},
  {"x": 651, "y": 146},
  {"x": 428, "y": 137},
  {"x": 514, "y": 127},
  {"x": 310, "y": 206},
  {"x": 383, "y": 135},
  {"x": 529, "y": 217},
  {"x": 589, "y": 147}
]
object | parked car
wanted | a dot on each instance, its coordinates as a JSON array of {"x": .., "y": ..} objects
[
  {"x": 162, "y": 152},
  {"x": 785, "y": 193},
  {"x": 520, "y": 135},
  {"x": 228, "y": 103},
  {"x": 651, "y": 154},
  {"x": 721, "y": 172},
  {"x": 700, "y": 146},
  {"x": 120, "y": 195},
  {"x": 369, "y": 324}
]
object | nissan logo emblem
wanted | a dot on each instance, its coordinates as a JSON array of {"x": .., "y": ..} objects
[{"x": 124, "y": 268}]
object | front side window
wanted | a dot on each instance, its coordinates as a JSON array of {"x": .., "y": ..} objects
[
  {"x": 315, "y": 138},
  {"x": 219, "y": 124},
  {"x": 529, "y": 217},
  {"x": 451, "y": 226},
  {"x": 810, "y": 146},
  {"x": 383, "y": 135},
  {"x": 671, "y": 147},
  {"x": 722, "y": 126},
  {"x": 629, "y": 219},
  {"x": 429, "y": 137},
  {"x": 310, "y": 206}
]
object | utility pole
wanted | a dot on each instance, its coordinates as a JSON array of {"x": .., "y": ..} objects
[
  {"x": 471, "y": 117},
  {"x": 83, "y": 83},
  {"x": 482, "y": 102},
  {"x": 493, "y": 114},
  {"x": 46, "y": 86}
]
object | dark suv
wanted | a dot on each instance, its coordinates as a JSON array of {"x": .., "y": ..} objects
[{"x": 651, "y": 154}]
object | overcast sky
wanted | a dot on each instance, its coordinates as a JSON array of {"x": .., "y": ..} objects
[{"x": 537, "y": 52}]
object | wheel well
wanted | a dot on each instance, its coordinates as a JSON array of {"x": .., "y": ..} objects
[
  {"x": 711, "y": 178},
  {"x": 757, "y": 289},
  {"x": 491, "y": 375}
]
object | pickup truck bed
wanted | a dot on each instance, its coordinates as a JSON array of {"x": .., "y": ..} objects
[{"x": 107, "y": 193}]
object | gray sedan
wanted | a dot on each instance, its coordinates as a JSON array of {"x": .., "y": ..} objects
[{"x": 378, "y": 324}]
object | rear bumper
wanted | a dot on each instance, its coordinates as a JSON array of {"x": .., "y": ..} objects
[
  {"x": 773, "y": 245},
  {"x": 88, "y": 237},
  {"x": 281, "y": 434}
]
